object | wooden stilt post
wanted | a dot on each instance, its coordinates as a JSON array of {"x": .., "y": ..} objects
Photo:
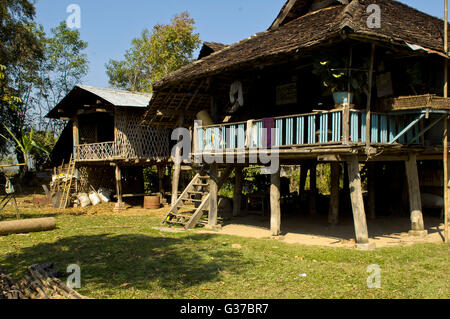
[
  {"x": 371, "y": 187},
  {"x": 275, "y": 207},
  {"x": 359, "y": 214},
  {"x": 237, "y": 196},
  {"x": 415, "y": 201},
  {"x": 313, "y": 189},
  {"x": 213, "y": 199},
  {"x": 177, "y": 166},
  {"x": 120, "y": 205},
  {"x": 76, "y": 137},
  {"x": 333, "y": 216}
]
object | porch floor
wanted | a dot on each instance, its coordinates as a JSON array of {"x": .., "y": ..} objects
[{"x": 306, "y": 230}]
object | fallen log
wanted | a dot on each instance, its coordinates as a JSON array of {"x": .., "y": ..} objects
[{"x": 27, "y": 226}]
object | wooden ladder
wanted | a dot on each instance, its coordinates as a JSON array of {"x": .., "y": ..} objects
[
  {"x": 68, "y": 184},
  {"x": 196, "y": 194}
]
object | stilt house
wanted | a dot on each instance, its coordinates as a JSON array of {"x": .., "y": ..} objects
[
  {"x": 104, "y": 136},
  {"x": 345, "y": 83}
]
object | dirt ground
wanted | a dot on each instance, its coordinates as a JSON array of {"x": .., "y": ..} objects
[
  {"x": 383, "y": 232},
  {"x": 306, "y": 230}
]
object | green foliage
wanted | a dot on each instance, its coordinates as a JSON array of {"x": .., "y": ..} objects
[
  {"x": 46, "y": 141},
  {"x": 151, "y": 182},
  {"x": 64, "y": 66},
  {"x": 154, "y": 55},
  {"x": 26, "y": 144}
]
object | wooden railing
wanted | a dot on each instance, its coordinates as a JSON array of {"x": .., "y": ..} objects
[
  {"x": 96, "y": 151},
  {"x": 313, "y": 129}
]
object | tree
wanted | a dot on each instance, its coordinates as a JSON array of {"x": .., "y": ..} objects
[
  {"x": 20, "y": 49},
  {"x": 64, "y": 66},
  {"x": 26, "y": 144},
  {"x": 155, "y": 54}
]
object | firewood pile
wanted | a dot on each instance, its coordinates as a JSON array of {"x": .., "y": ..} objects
[{"x": 40, "y": 282}]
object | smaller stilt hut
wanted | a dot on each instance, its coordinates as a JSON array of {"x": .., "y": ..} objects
[{"x": 105, "y": 137}]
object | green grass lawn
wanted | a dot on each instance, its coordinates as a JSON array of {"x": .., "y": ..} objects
[{"x": 136, "y": 261}]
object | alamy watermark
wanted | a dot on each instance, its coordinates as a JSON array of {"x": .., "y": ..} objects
[
  {"x": 73, "y": 21},
  {"x": 215, "y": 151},
  {"x": 374, "y": 19},
  {"x": 74, "y": 279},
  {"x": 374, "y": 280}
]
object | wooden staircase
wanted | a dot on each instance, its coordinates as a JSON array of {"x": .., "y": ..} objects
[
  {"x": 64, "y": 199},
  {"x": 193, "y": 203}
]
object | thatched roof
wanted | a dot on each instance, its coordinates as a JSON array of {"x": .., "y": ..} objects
[
  {"x": 83, "y": 96},
  {"x": 400, "y": 24},
  {"x": 293, "y": 9},
  {"x": 209, "y": 48}
]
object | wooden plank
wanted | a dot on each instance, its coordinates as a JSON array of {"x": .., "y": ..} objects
[
  {"x": 359, "y": 214},
  {"x": 415, "y": 201},
  {"x": 275, "y": 206},
  {"x": 346, "y": 125}
]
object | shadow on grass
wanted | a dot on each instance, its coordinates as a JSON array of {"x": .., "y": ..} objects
[{"x": 109, "y": 261}]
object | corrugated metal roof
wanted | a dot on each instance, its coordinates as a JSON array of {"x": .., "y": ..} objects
[{"x": 120, "y": 98}]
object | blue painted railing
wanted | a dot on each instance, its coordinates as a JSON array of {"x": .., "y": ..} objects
[{"x": 319, "y": 128}]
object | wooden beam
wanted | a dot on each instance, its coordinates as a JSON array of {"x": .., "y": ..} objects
[
  {"x": 275, "y": 206},
  {"x": 333, "y": 215},
  {"x": 237, "y": 196},
  {"x": 359, "y": 214},
  {"x": 415, "y": 201},
  {"x": 276, "y": 24}
]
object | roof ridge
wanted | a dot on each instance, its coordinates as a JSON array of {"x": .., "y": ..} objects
[{"x": 114, "y": 90}]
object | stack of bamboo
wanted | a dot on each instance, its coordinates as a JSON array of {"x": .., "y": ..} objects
[
  {"x": 39, "y": 283},
  {"x": 8, "y": 288}
]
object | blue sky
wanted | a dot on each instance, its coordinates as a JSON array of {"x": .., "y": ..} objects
[{"x": 109, "y": 25}]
